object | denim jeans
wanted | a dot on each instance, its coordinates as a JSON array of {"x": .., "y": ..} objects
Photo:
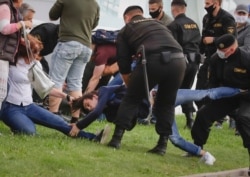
[
  {"x": 117, "y": 80},
  {"x": 68, "y": 61},
  {"x": 22, "y": 119},
  {"x": 186, "y": 95}
]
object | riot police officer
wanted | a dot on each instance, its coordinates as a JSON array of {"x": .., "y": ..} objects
[
  {"x": 187, "y": 33},
  {"x": 216, "y": 22},
  {"x": 165, "y": 66},
  {"x": 230, "y": 67}
]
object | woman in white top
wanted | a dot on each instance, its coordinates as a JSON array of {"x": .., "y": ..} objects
[{"x": 19, "y": 111}]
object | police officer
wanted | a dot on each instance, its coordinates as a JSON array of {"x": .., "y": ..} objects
[
  {"x": 187, "y": 33},
  {"x": 215, "y": 23},
  {"x": 229, "y": 67},
  {"x": 156, "y": 11},
  {"x": 165, "y": 66}
]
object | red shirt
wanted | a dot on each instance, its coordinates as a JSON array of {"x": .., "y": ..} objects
[{"x": 104, "y": 54}]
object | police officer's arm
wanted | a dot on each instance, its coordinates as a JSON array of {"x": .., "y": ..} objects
[
  {"x": 228, "y": 25},
  {"x": 174, "y": 30}
]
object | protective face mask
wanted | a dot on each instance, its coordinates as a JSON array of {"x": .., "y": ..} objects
[
  {"x": 221, "y": 54},
  {"x": 155, "y": 14},
  {"x": 210, "y": 9},
  {"x": 241, "y": 19}
]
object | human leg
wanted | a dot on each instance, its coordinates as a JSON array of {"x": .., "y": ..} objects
[
  {"x": 164, "y": 105},
  {"x": 45, "y": 118},
  {"x": 58, "y": 73},
  {"x": 181, "y": 143},
  {"x": 243, "y": 124},
  {"x": 14, "y": 117},
  {"x": 69, "y": 61},
  {"x": 186, "y": 95},
  {"x": 75, "y": 74},
  {"x": 202, "y": 80},
  {"x": 207, "y": 115},
  {"x": 188, "y": 108},
  {"x": 127, "y": 110}
]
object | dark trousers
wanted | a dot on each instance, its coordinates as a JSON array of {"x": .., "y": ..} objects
[
  {"x": 202, "y": 80},
  {"x": 169, "y": 77},
  {"x": 187, "y": 83},
  {"x": 217, "y": 109}
]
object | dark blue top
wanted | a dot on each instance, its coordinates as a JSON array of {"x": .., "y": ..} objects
[{"x": 109, "y": 99}]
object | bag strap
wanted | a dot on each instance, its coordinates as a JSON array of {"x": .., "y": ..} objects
[{"x": 27, "y": 43}]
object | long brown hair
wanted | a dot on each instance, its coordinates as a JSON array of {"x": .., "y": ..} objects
[
  {"x": 35, "y": 45},
  {"x": 78, "y": 103}
]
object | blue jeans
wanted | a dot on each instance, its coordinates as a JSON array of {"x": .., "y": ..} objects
[
  {"x": 186, "y": 95},
  {"x": 117, "y": 80},
  {"x": 68, "y": 61},
  {"x": 22, "y": 119}
]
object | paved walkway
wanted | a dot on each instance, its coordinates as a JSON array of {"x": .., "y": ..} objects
[{"x": 242, "y": 172}]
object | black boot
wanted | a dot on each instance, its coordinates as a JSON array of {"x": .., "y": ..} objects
[
  {"x": 189, "y": 120},
  {"x": 116, "y": 138},
  {"x": 161, "y": 146}
]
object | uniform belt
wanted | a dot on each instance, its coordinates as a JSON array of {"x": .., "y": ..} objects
[
  {"x": 172, "y": 55},
  {"x": 177, "y": 55}
]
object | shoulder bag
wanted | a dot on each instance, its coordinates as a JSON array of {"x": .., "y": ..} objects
[{"x": 40, "y": 81}]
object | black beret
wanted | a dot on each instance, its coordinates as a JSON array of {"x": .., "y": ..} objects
[
  {"x": 225, "y": 41},
  {"x": 48, "y": 34},
  {"x": 178, "y": 2},
  {"x": 129, "y": 8}
]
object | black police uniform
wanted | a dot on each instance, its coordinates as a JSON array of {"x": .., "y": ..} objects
[
  {"x": 223, "y": 23},
  {"x": 165, "y": 67},
  {"x": 233, "y": 71},
  {"x": 187, "y": 33}
]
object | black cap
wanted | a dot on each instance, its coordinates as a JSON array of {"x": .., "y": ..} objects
[
  {"x": 178, "y": 2},
  {"x": 48, "y": 34},
  {"x": 129, "y": 8},
  {"x": 225, "y": 41}
]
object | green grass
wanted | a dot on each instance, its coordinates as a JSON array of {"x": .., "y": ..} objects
[{"x": 51, "y": 154}]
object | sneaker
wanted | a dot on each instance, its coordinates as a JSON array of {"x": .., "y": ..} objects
[
  {"x": 208, "y": 159},
  {"x": 102, "y": 136}
]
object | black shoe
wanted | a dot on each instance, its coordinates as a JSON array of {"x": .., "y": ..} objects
[
  {"x": 102, "y": 136},
  {"x": 158, "y": 149},
  {"x": 115, "y": 142},
  {"x": 189, "y": 124},
  {"x": 189, "y": 120},
  {"x": 161, "y": 146}
]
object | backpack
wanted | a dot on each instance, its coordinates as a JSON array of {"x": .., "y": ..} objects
[{"x": 102, "y": 36}]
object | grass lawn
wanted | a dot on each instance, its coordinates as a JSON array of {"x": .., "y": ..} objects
[{"x": 51, "y": 154}]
